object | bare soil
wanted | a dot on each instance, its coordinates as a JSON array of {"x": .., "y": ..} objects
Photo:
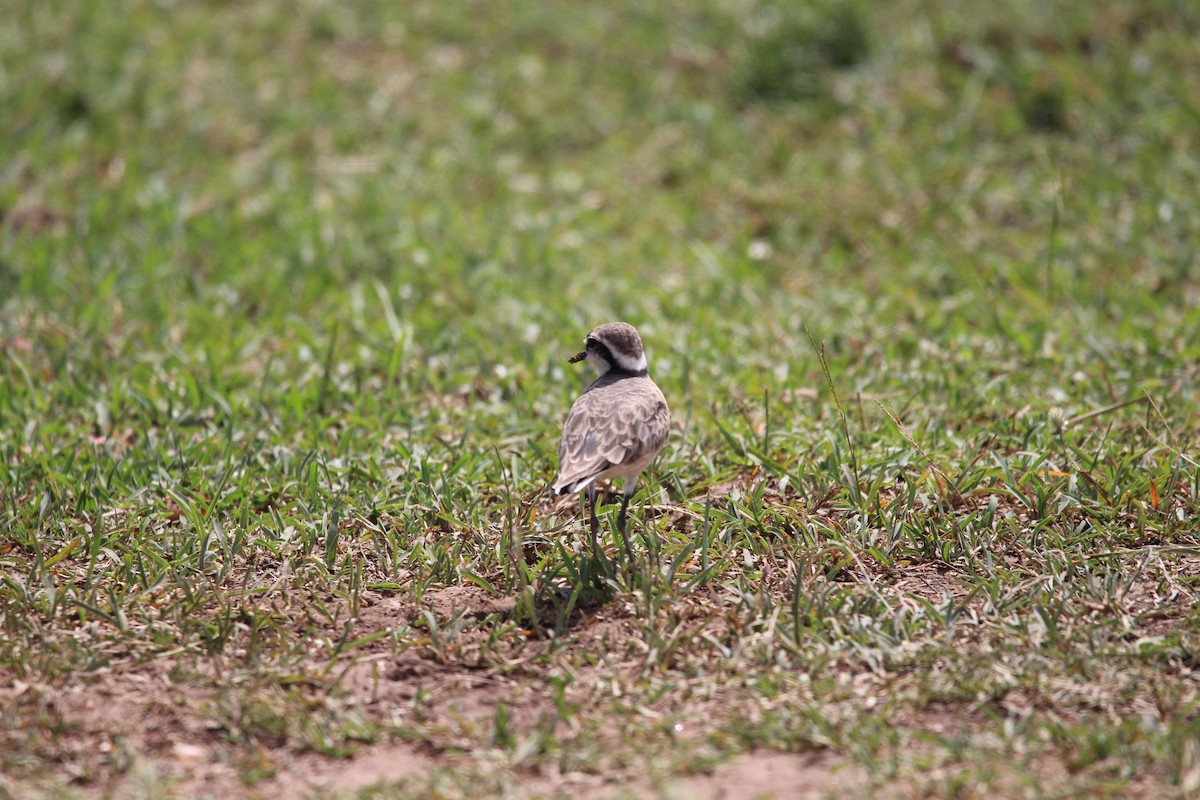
[{"x": 132, "y": 726}]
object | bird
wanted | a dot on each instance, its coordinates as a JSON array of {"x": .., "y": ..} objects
[{"x": 616, "y": 427}]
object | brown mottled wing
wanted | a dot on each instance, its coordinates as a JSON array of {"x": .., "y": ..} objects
[{"x": 622, "y": 422}]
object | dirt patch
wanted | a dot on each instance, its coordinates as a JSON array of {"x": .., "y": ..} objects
[
  {"x": 467, "y": 601},
  {"x": 102, "y": 728},
  {"x": 138, "y": 726},
  {"x": 382, "y": 764},
  {"x": 384, "y": 612},
  {"x": 774, "y": 776},
  {"x": 932, "y": 582}
]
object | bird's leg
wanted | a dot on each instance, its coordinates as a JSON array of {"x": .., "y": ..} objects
[
  {"x": 623, "y": 521},
  {"x": 595, "y": 523}
]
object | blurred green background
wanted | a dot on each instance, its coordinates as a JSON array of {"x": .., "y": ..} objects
[{"x": 222, "y": 184}]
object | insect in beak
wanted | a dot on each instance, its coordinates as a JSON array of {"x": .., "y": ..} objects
[{"x": 575, "y": 359}]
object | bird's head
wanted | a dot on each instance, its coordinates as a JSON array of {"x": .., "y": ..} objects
[{"x": 613, "y": 346}]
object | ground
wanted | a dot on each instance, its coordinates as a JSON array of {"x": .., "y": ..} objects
[{"x": 286, "y": 303}]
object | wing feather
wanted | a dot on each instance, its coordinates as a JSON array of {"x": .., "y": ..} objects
[{"x": 613, "y": 423}]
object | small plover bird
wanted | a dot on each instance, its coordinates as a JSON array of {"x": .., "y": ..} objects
[{"x": 617, "y": 426}]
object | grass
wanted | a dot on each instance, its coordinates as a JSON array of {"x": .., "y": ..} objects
[{"x": 286, "y": 301}]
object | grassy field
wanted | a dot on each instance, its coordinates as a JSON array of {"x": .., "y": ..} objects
[{"x": 286, "y": 297}]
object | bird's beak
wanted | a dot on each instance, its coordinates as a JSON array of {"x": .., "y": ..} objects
[{"x": 575, "y": 359}]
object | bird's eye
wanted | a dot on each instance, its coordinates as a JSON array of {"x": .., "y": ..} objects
[{"x": 592, "y": 344}]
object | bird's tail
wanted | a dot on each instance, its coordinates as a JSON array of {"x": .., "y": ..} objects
[{"x": 572, "y": 485}]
